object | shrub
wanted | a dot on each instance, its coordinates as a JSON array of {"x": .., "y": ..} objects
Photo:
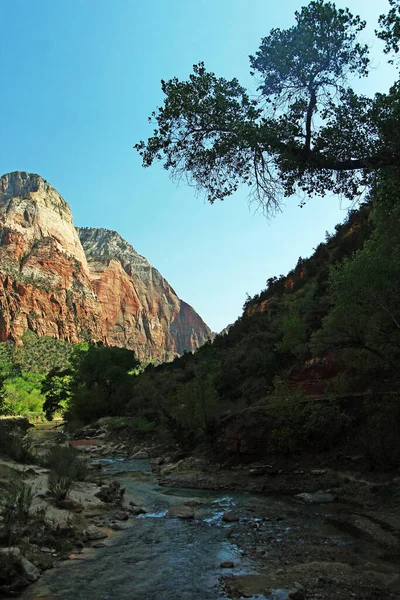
[
  {"x": 65, "y": 468},
  {"x": 59, "y": 485},
  {"x": 66, "y": 462},
  {"x": 15, "y": 510}
]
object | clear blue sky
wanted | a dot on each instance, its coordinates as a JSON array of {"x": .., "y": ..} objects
[{"x": 79, "y": 79}]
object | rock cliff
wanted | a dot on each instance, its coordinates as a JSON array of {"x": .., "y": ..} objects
[
  {"x": 100, "y": 289},
  {"x": 140, "y": 309}
]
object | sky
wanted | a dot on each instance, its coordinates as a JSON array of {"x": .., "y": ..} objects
[{"x": 79, "y": 79}]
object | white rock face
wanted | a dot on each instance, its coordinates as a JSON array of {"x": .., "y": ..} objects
[{"x": 31, "y": 206}]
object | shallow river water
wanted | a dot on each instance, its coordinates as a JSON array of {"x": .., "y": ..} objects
[
  {"x": 162, "y": 558},
  {"x": 157, "y": 558}
]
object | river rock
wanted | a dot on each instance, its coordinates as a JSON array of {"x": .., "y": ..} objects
[
  {"x": 182, "y": 512},
  {"x": 122, "y": 516},
  {"x": 95, "y": 533},
  {"x": 230, "y": 517},
  {"x": 137, "y": 510},
  {"x": 316, "y": 497},
  {"x": 70, "y": 504},
  {"x": 64, "y": 528},
  {"x": 26, "y": 569},
  {"x": 296, "y": 594},
  {"x": 119, "y": 526},
  {"x": 227, "y": 564},
  {"x": 193, "y": 503}
]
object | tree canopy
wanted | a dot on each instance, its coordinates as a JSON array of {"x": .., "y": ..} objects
[{"x": 305, "y": 130}]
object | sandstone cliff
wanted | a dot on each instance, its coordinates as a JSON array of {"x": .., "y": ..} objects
[
  {"x": 49, "y": 285},
  {"x": 44, "y": 278},
  {"x": 140, "y": 309}
]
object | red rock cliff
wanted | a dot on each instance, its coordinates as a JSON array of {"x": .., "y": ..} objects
[
  {"x": 140, "y": 309},
  {"x": 50, "y": 286}
]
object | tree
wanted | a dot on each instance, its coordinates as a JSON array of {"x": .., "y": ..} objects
[
  {"x": 307, "y": 131},
  {"x": 56, "y": 388},
  {"x": 101, "y": 382}
]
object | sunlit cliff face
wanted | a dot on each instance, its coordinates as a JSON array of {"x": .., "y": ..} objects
[{"x": 77, "y": 284}]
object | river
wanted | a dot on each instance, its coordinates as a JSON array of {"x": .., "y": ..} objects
[{"x": 160, "y": 558}]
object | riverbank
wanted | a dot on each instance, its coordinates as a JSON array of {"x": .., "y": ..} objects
[
  {"x": 338, "y": 539},
  {"x": 55, "y": 531}
]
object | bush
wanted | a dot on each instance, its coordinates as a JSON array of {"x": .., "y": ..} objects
[
  {"x": 65, "y": 468},
  {"x": 298, "y": 423},
  {"x": 15, "y": 510},
  {"x": 59, "y": 485},
  {"x": 66, "y": 462}
]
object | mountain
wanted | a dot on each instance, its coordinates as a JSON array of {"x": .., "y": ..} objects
[
  {"x": 78, "y": 284},
  {"x": 140, "y": 309}
]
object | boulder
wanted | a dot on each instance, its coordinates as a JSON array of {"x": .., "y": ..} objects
[
  {"x": 137, "y": 510},
  {"x": 182, "y": 512},
  {"x": 95, "y": 533},
  {"x": 230, "y": 517}
]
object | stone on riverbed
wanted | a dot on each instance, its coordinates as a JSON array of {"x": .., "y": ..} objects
[
  {"x": 119, "y": 526},
  {"x": 316, "y": 498},
  {"x": 182, "y": 512},
  {"x": 227, "y": 564},
  {"x": 70, "y": 504},
  {"x": 95, "y": 533},
  {"x": 230, "y": 517}
]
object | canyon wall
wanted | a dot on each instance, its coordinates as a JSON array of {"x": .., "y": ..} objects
[{"x": 81, "y": 284}]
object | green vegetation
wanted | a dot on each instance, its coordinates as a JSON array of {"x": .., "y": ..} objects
[
  {"x": 97, "y": 383},
  {"x": 23, "y": 369},
  {"x": 45, "y": 376},
  {"x": 15, "y": 511}
]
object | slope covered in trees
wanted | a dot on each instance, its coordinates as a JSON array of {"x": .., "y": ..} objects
[
  {"x": 304, "y": 349},
  {"x": 329, "y": 330}
]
